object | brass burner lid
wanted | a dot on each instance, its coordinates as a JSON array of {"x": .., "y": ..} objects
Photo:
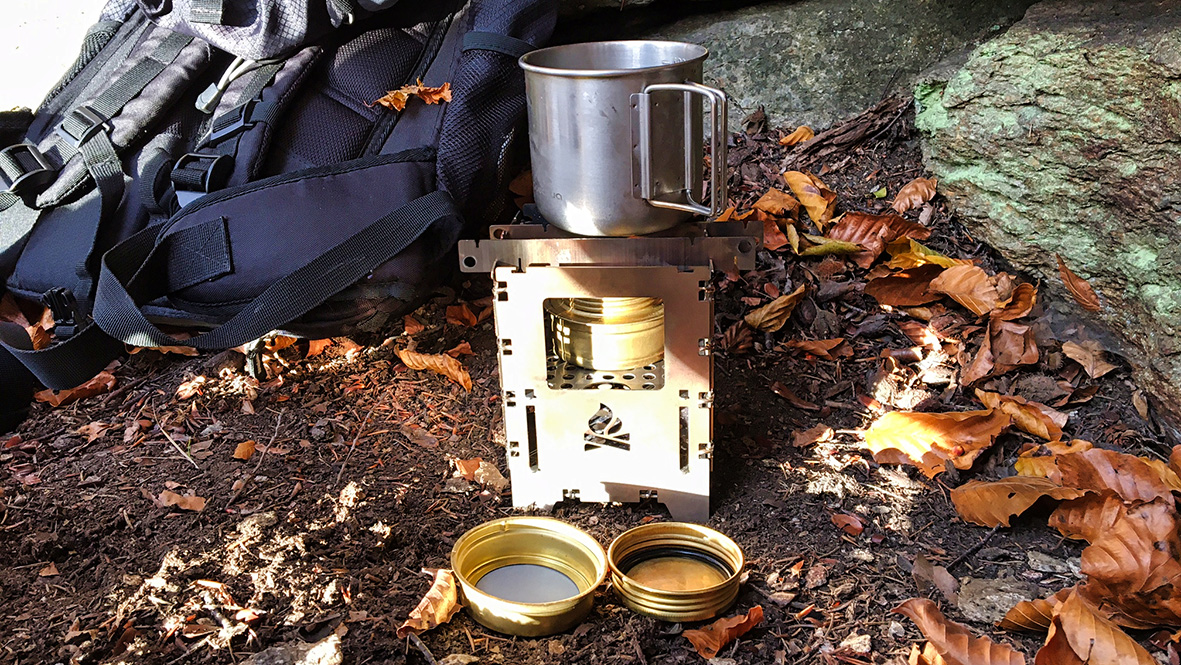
[{"x": 607, "y": 333}]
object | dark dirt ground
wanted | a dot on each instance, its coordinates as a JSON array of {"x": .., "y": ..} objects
[{"x": 348, "y": 503}]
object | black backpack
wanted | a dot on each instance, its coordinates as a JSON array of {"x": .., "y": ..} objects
[{"x": 221, "y": 165}]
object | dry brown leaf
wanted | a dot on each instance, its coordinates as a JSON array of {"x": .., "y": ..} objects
[
  {"x": 778, "y": 203},
  {"x": 905, "y": 289},
  {"x": 461, "y": 315},
  {"x": 792, "y": 398},
  {"x": 466, "y": 468},
  {"x": 955, "y": 642},
  {"x": 1042, "y": 461},
  {"x": 1128, "y": 476},
  {"x": 100, "y": 384},
  {"x": 462, "y": 349},
  {"x": 1012, "y": 345},
  {"x": 94, "y": 431},
  {"x": 772, "y": 316},
  {"x": 925, "y": 656},
  {"x": 908, "y": 253},
  {"x": 1090, "y": 355},
  {"x": 440, "y": 363},
  {"x": 995, "y": 502},
  {"x": 827, "y": 349},
  {"x": 488, "y": 475},
  {"x": 929, "y": 440},
  {"x": 817, "y": 199},
  {"x": 186, "y": 502},
  {"x": 914, "y": 194},
  {"x": 709, "y": 640},
  {"x": 49, "y": 571},
  {"x": 773, "y": 237},
  {"x": 801, "y": 134},
  {"x": 970, "y": 286},
  {"x": 1079, "y": 288},
  {"x": 244, "y": 450},
  {"x": 818, "y": 434},
  {"x": 397, "y": 99},
  {"x": 440, "y": 603},
  {"x": 1086, "y": 517},
  {"x": 1032, "y": 417},
  {"x": 873, "y": 232},
  {"x": 1033, "y": 615},
  {"x": 927, "y": 575},
  {"x": 1021, "y": 304},
  {"x": 1080, "y": 634},
  {"x": 318, "y": 346},
  {"x": 850, "y": 524},
  {"x": 822, "y": 246},
  {"x": 411, "y": 325}
]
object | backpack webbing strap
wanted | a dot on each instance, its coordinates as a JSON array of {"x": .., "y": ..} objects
[
  {"x": 130, "y": 278},
  {"x": 494, "y": 41},
  {"x": 107, "y": 170},
  {"x": 85, "y": 121},
  {"x": 207, "y": 11}
]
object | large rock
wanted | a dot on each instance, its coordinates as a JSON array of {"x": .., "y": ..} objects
[
  {"x": 807, "y": 61},
  {"x": 1064, "y": 136}
]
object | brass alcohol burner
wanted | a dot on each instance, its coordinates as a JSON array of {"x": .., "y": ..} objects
[{"x": 607, "y": 333}]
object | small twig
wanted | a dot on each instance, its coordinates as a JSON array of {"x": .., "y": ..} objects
[
  {"x": 186, "y": 654},
  {"x": 975, "y": 548},
  {"x": 179, "y": 449},
  {"x": 360, "y": 428},
  {"x": 263, "y": 456},
  {"x": 422, "y": 647}
]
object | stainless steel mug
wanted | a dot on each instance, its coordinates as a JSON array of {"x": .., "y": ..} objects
[{"x": 615, "y": 135}]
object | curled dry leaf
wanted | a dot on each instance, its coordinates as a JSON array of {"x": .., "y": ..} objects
[
  {"x": 709, "y": 640},
  {"x": 914, "y": 194},
  {"x": 186, "y": 502},
  {"x": 773, "y": 237},
  {"x": 801, "y": 134},
  {"x": 817, "y": 199},
  {"x": 244, "y": 450},
  {"x": 954, "y": 642},
  {"x": 822, "y": 246},
  {"x": 873, "y": 232},
  {"x": 1019, "y": 305},
  {"x": 818, "y": 434},
  {"x": 1034, "y": 615},
  {"x": 927, "y": 575},
  {"x": 1128, "y": 476},
  {"x": 772, "y": 316},
  {"x": 827, "y": 349},
  {"x": 1080, "y": 634},
  {"x": 461, "y": 315},
  {"x": 1032, "y": 417},
  {"x": 318, "y": 346},
  {"x": 411, "y": 325},
  {"x": 1087, "y": 517},
  {"x": 850, "y": 524},
  {"x": 738, "y": 339},
  {"x": 794, "y": 399},
  {"x": 191, "y": 387},
  {"x": 909, "y": 253},
  {"x": 907, "y": 288},
  {"x": 100, "y": 384},
  {"x": 929, "y": 440},
  {"x": 440, "y": 603},
  {"x": 970, "y": 286},
  {"x": 994, "y": 503},
  {"x": 1012, "y": 345},
  {"x": 462, "y": 349},
  {"x": 440, "y": 363},
  {"x": 778, "y": 203},
  {"x": 397, "y": 99},
  {"x": 1090, "y": 355},
  {"x": 1042, "y": 461},
  {"x": 1079, "y": 288}
]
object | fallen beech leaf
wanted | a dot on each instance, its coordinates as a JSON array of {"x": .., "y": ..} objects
[
  {"x": 1019, "y": 305},
  {"x": 1032, "y": 417},
  {"x": 1033, "y": 615},
  {"x": 777, "y": 202},
  {"x": 100, "y": 384},
  {"x": 817, "y": 199},
  {"x": 1087, "y": 517},
  {"x": 1042, "y": 461},
  {"x": 1090, "y": 355},
  {"x": 191, "y": 387},
  {"x": 48, "y": 571},
  {"x": 1080, "y": 634},
  {"x": 850, "y": 524},
  {"x": 95, "y": 430},
  {"x": 773, "y": 238},
  {"x": 794, "y": 399},
  {"x": 461, "y": 349},
  {"x": 466, "y": 468},
  {"x": 828, "y": 247},
  {"x": 397, "y": 99},
  {"x": 411, "y": 325},
  {"x": 440, "y": 603},
  {"x": 927, "y": 575},
  {"x": 801, "y": 134},
  {"x": 970, "y": 286},
  {"x": 772, "y": 316},
  {"x": 873, "y": 232},
  {"x": 1130, "y": 477},
  {"x": 709, "y": 640},
  {"x": 488, "y": 475},
  {"x": 909, "y": 253},
  {"x": 244, "y": 450},
  {"x": 929, "y": 440},
  {"x": 994, "y": 503},
  {"x": 461, "y": 315},
  {"x": 317, "y": 346},
  {"x": 186, "y": 502},
  {"x": 914, "y": 194},
  {"x": 440, "y": 363},
  {"x": 818, "y": 434},
  {"x": 1079, "y": 288},
  {"x": 826, "y": 349},
  {"x": 905, "y": 289},
  {"x": 953, "y": 641},
  {"x": 1012, "y": 345}
]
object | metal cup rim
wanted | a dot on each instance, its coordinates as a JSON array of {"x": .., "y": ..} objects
[
  {"x": 525, "y": 61},
  {"x": 688, "y": 593}
]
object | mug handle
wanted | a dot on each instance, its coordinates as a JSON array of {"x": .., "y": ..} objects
[{"x": 718, "y": 130}]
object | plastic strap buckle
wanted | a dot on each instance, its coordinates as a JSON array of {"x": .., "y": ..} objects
[
  {"x": 197, "y": 174},
  {"x": 64, "y": 306},
  {"x": 81, "y": 124},
  {"x": 231, "y": 122},
  {"x": 23, "y": 169}
]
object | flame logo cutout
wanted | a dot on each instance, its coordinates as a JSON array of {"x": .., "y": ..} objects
[{"x": 604, "y": 429}]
